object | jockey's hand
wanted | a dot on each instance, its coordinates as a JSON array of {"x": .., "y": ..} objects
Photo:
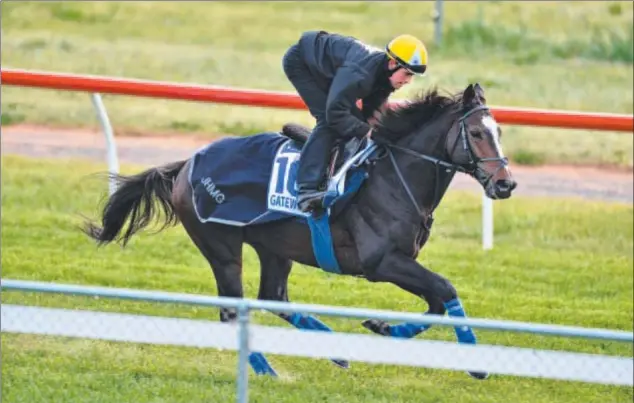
[
  {"x": 374, "y": 119},
  {"x": 376, "y": 139}
]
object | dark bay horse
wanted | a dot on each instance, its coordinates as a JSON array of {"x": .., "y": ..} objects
[{"x": 377, "y": 236}]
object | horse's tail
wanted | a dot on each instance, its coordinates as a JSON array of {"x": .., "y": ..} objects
[{"x": 138, "y": 197}]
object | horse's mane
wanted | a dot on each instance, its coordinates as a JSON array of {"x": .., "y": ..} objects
[{"x": 403, "y": 120}]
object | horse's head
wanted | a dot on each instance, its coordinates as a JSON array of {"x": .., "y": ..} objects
[
  {"x": 455, "y": 132},
  {"x": 473, "y": 143}
]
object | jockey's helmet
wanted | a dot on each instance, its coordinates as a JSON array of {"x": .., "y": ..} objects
[{"x": 409, "y": 52}]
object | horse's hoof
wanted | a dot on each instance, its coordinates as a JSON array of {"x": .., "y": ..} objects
[
  {"x": 341, "y": 363},
  {"x": 377, "y": 326},
  {"x": 260, "y": 365},
  {"x": 479, "y": 375}
]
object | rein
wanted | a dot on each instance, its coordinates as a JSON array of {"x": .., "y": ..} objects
[{"x": 448, "y": 166}]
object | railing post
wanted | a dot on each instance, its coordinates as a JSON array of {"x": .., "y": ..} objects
[
  {"x": 243, "y": 353},
  {"x": 487, "y": 222},
  {"x": 111, "y": 147}
]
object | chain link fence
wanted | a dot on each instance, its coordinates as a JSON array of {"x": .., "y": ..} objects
[{"x": 252, "y": 341}]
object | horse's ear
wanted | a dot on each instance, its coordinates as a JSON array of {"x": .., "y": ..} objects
[
  {"x": 473, "y": 94},
  {"x": 479, "y": 91},
  {"x": 469, "y": 95}
]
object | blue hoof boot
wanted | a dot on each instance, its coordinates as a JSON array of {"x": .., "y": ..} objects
[{"x": 260, "y": 365}]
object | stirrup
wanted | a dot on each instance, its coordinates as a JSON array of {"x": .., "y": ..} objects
[{"x": 310, "y": 201}]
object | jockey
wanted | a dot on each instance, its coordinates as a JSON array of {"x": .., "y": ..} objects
[{"x": 331, "y": 73}]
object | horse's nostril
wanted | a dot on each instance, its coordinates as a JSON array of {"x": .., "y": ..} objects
[{"x": 505, "y": 185}]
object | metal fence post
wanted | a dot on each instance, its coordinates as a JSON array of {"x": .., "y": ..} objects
[
  {"x": 243, "y": 353},
  {"x": 111, "y": 147},
  {"x": 438, "y": 22}
]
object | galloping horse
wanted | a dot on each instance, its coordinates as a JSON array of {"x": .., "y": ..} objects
[{"x": 377, "y": 235}]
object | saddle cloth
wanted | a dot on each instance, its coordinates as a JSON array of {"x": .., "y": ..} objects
[
  {"x": 252, "y": 180},
  {"x": 230, "y": 179}
]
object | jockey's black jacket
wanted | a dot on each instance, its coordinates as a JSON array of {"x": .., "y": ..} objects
[{"x": 350, "y": 70}]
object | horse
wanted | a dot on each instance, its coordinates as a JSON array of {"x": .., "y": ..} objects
[{"x": 421, "y": 144}]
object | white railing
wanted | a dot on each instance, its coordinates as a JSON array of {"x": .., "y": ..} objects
[
  {"x": 245, "y": 337},
  {"x": 111, "y": 146}
]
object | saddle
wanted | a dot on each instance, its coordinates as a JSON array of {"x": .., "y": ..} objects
[
  {"x": 342, "y": 182},
  {"x": 340, "y": 153}
]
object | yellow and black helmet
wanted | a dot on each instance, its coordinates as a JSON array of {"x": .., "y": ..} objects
[{"x": 409, "y": 52}]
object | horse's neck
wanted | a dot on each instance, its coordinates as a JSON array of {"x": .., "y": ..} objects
[
  {"x": 427, "y": 181},
  {"x": 429, "y": 191},
  {"x": 444, "y": 179},
  {"x": 385, "y": 193}
]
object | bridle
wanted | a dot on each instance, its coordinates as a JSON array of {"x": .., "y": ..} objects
[{"x": 472, "y": 167}]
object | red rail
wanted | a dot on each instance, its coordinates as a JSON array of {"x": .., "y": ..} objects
[{"x": 209, "y": 93}]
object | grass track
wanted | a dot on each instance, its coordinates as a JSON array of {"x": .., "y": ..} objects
[{"x": 561, "y": 261}]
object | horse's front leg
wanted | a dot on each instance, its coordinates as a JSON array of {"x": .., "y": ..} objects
[{"x": 406, "y": 273}]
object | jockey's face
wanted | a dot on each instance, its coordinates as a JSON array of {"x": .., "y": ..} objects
[{"x": 400, "y": 77}]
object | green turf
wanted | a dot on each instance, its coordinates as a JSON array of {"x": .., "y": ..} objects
[
  {"x": 560, "y": 261},
  {"x": 561, "y": 55}
]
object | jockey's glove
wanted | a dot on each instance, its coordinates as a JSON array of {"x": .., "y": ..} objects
[{"x": 379, "y": 140}]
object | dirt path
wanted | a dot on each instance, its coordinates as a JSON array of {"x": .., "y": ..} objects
[{"x": 586, "y": 182}]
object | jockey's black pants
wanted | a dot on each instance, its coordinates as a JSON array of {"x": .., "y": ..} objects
[{"x": 315, "y": 156}]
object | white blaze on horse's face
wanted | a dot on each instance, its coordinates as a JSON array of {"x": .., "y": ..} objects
[
  {"x": 500, "y": 184},
  {"x": 489, "y": 122}
]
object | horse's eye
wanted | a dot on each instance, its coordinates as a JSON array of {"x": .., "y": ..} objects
[{"x": 476, "y": 134}]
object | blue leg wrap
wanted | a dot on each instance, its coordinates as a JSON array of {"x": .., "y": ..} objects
[
  {"x": 463, "y": 333},
  {"x": 260, "y": 364},
  {"x": 407, "y": 330},
  {"x": 308, "y": 322}
]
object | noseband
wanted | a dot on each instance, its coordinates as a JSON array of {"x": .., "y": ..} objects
[{"x": 472, "y": 168}]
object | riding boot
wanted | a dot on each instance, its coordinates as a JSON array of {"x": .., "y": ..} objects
[{"x": 313, "y": 163}]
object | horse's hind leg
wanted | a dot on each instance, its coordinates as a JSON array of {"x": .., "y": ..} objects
[
  {"x": 222, "y": 247},
  {"x": 406, "y": 330},
  {"x": 274, "y": 286}
]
